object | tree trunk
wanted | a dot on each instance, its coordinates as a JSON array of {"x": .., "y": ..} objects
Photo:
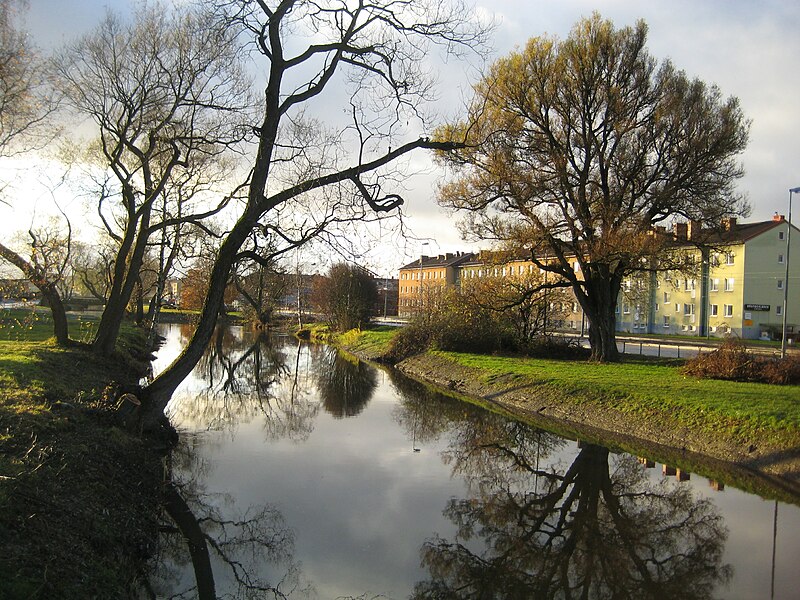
[
  {"x": 48, "y": 290},
  {"x": 599, "y": 303},
  {"x": 60, "y": 326},
  {"x": 157, "y": 394},
  {"x": 126, "y": 274}
]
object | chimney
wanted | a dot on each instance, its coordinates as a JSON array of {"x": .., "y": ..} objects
[
  {"x": 729, "y": 223},
  {"x": 680, "y": 230},
  {"x": 694, "y": 229},
  {"x": 778, "y": 218}
]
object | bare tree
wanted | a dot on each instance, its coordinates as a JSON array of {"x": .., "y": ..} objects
[
  {"x": 163, "y": 92},
  {"x": 47, "y": 266},
  {"x": 25, "y": 100},
  {"x": 377, "y": 47}
]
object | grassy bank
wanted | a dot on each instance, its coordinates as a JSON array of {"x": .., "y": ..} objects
[
  {"x": 78, "y": 496},
  {"x": 736, "y": 410},
  {"x": 637, "y": 385},
  {"x": 745, "y": 435}
]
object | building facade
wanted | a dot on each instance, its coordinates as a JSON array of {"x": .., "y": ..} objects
[
  {"x": 736, "y": 287},
  {"x": 428, "y": 276},
  {"x": 731, "y": 283}
]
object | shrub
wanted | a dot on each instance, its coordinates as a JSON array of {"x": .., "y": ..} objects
[
  {"x": 730, "y": 361},
  {"x": 733, "y": 362},
  {"x": 784, "y": 371},
  {"x": 548, "y": 346}
]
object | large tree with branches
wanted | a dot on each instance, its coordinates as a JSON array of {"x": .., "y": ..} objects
[
  {"x": 576, "y": 149},
  {"x": 379, "y": 48},
  {"x": 166, "y": 94}
]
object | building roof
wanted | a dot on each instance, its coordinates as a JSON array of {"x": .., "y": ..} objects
[
  {"x": 731, "y": 232},
  {"x": 441, "y": 261}
]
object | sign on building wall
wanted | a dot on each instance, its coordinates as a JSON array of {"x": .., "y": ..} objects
[{"x": 757, "y": 307}]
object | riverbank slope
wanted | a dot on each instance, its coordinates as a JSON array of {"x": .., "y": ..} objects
[
  {"x": 78, "y": 494},
  {"x": 744, "y": 433}
]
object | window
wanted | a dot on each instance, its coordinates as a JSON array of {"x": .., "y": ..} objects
[
  {"x": 781, "y": 235},
  {"x": 779, "y": 310},
  {"x": 728, "y": 310},
  {"x": 780, "y": 284},
  {"x": 666, "y": 297},
  {"x": 780, "y": 259},
  {"x": 715, "y": 260},
  {"x": 689, "y": 284},
  {"x": 729, "y": 258},
  {"x": 729, "y": 284},
  {"x": 666, "y": 320},
  {"x": 688, "y": 309},
  {"x": 626, "y": 309},
  {"x": 677, "y": 307},
  {"x": 714, "y": 310},
  {"x": 714, "y": 285}
]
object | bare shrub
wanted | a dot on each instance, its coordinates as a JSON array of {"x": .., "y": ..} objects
[
  {"x": 784, "y": 371},
  {"x": 732, "y": 361}
]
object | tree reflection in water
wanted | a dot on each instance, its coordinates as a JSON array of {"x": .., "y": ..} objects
[
  {"x": 247, "y": 377},
  {"x": 595, "y": 528},
  {"x": 345, "y": 385},
  {"x": 232, "y": 554}
]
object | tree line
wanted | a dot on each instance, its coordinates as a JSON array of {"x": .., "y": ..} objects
[{"x": 203, "y": 147}]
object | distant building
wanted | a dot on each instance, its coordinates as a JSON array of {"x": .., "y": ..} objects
[
  {"x": 427, "y": 275},
  {"x": 17, "y": 289},
  {"x": 734, "y": 283},
  {"x": 736, "y": 289}
]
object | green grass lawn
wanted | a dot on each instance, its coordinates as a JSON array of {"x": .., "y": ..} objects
[
  {"x": 645, "y": 386},
  {"x": 638, "y": 385},
  {"x": 36, "y": 324},
  {"x": 372, "y": 343}
]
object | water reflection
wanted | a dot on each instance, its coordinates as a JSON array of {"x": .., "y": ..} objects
[
  {"x": 211, "y": 548},
  {"x": 597, "y": 527},
  {"x": 275, "y": 476},
  {"x": 249, "y": 376},
  {"x": 345, "y": 384}
]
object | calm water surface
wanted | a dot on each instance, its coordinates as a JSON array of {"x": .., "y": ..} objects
[{"x": 311, "y": 476}]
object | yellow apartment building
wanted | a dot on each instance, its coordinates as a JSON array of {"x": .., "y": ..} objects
[
  {"x": 424, "y": 277},
  {"x": 735, "y": 287}
]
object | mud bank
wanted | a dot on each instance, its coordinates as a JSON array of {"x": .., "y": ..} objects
[{"x": 756, "y": 465}]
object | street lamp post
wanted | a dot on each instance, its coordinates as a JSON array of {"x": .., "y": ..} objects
[
  {"x": 786, "y": 274},
  {"x": 421, "y": 256},
  {"x": 385, "y": 298}
]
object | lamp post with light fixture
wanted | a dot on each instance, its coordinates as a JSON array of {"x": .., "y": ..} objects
[
  {"x": 421, "y": 256},
  {"x": 786, "y": 275}
]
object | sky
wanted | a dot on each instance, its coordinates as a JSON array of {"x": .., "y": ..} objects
[{"x": 749, "y": 49}]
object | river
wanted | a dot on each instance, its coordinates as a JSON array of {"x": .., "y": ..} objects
[{"x": 311, "y": 475}]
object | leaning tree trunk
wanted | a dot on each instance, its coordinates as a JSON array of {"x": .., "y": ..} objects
[
  {"x": 59, "y": 313},
  {"x": 126, "y": 274},
  {"x": 48, "y": 290},
  {"x": 157, "y": 394}
]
